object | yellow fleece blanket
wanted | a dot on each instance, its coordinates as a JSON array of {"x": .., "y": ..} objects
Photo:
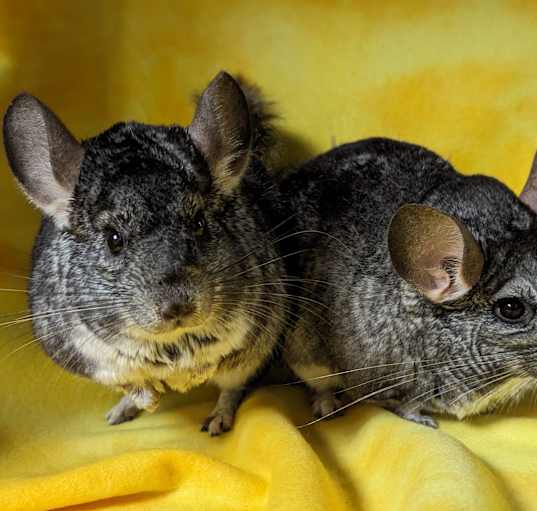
[{"x": 457, "y": 76}]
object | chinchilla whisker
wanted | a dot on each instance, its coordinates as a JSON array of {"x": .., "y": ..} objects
[
  {"x": 279, "y": 240},
  {"x": 283, "y": 295},
  {"x": 310, "y": 231},
  {"x": 510, "y": 401},
  {"x": 61, "y": 322},
  {"x": 292, "y": 278},
  {"x": 35, "y": 340},
  {"x": 300, "y": 299},
  {"x": 332, "y": 237},
  {"x": 25, "y": 321},
  {"x": 287, "y": 297},
  {"x": 257, "y": 248},
  {"x": 16, "y": 314},
  {"x": 388, "y": 377},
  {"x": 291, "y": 282},
  {"x": 277, "y": 285},
  {"x": 16, "y": 275},
  {"x": 396, "y": 375},
  {"x": 339, "y": 373},
  {"x": 433, "y": 393},
  {"x": 264, "y": 312},
  {"x": 521, "y": 389},
  {"x": 268, "y": 315},
  {"x": 423, "y": 364},
  {"x": 47, "y": 314},
  {"x": 19, "y": 348},
  {"x": 486, "y": 382},
  {"x": 261, "y": 265},
  {"x": 20, "y": 321},
  {"x": 282, "y": 223},
  {"x": 461, "y": 362},
  {"x": 445, "y": 389},
  {"x": 261, "y": 302},
  {"x": 7, "y": 290},
  {"x": 356, "y": 401},
  {"x": 103, "y": 303},
  {"x": 297, "y": 298},
  {"x": 250, "y": 306},
  {"x": 253, "y": 308},
  {"x": 31, "y": 342},
  {"x": 226, "y": 266},
  {"x": 290, "y": 310},
  {"x": 317, "y": 315},
  {"x": 479, "y": 380},
  {"x": 255, "y": 324},
  {"x": 405, "y": 373},
  {"x": 220, "y": 322}
]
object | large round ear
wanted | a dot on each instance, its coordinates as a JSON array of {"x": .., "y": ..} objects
[
  {"x": 434, "y": 252},
  {"x": 44, "y": 157},
  {"x": 529, "y": 193},
  {"x": 221, "y": 130}
]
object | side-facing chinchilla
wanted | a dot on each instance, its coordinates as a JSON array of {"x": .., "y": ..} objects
[
  {"x": 154, "y": 239},
  {"x": 427, "y": 280}
]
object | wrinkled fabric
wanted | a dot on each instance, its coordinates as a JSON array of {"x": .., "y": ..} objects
[{"x": 459, "y": 77}]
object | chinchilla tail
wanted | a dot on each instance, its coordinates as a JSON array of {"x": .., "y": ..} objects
[{"x": 263, "y": 117}]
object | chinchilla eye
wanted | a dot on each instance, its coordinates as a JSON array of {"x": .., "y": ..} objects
[
  {"x": 199, "y": 224},
  {"x": 511, "y": 309},
  {"x": 115, "y": 241}
]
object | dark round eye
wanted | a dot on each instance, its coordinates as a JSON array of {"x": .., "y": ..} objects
[
  {"x": 511, "y": 309},
  {"x": 199, "y": 224},
  {"x": 115, "y": 241}
]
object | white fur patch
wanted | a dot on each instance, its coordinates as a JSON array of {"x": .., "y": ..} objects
[{"x": 123, "y": 362}]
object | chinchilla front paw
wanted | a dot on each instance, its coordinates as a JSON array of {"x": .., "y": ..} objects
[
  {"x": 326, "y": 405},
  {"x": 124, "y": 411},
  {"x": 414, "y": 414},
  {"x": 218, "y": 423}
]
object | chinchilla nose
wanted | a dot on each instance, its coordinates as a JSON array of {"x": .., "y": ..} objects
[{"x": 176, "y": 310}]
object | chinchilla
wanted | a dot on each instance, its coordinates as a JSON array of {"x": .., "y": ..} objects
[
  {"x": 150, "y": 266},
  {"x": 422, "y": 282}
]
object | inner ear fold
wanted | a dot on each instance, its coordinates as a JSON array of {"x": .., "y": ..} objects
[
  {"x": 44, "y": 157},
  {"x": 221, "y": 130},
  {"x": 529, "y": 193},
  {"x": 434, "y": 252}
]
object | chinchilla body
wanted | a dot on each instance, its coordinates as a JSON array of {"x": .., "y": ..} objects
[
  {"x": 155, "y": 262},
  {"x": 421, "y": 282}
]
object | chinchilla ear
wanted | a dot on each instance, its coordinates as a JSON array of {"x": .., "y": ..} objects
[
  {"x": 434, "y": 252},
  {"x": 44, "y": 157},
  {"x": 529, "y": 193},
  {"x": 221, "y": 130}
]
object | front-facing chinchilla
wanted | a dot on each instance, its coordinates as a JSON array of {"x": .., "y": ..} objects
[
  {"x": 154, "y": 242},
  {"x": 426, "y": 281}
]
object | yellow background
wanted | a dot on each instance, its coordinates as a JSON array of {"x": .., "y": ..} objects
[{"x": 457, "y": 76}]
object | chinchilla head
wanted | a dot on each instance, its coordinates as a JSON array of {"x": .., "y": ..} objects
[
  {"x": 145, "y": 217},
  {"x": 473, "y": 259}
]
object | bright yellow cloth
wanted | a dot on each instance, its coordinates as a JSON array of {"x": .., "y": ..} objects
[{"x": 458, "y": 77}]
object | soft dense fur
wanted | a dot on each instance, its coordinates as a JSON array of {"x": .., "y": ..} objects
[
  {"x": 183, "y": 301},
  {"x": 390, "y": 342}
]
